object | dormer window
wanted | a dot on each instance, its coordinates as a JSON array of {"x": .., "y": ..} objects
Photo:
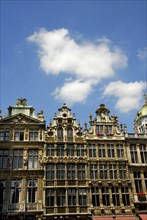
[
  {"x": 50, "y": 133},
  {"x": 99, "y": 129},
  {"x": 60, "y": 134},
  {"x": 108, "y": 129},
  {"x": 79, "y": 134},
  {"x": 69, "y": 134},
  {"x": 59, "y": 121},
  {"x": 69, "y": 121},
  {"x": 19, "y": 136}
]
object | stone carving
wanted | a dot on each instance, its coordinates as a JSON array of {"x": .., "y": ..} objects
[
  {"x": 25, "y": 160},
  {"x": 40, "y": 160},
  {"x": 21, "y": 101}
]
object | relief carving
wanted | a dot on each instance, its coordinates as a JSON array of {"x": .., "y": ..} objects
[{"x": 25, "y": 160}]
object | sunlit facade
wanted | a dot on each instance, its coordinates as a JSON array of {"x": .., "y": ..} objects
[{"x": 62, "y": 171}]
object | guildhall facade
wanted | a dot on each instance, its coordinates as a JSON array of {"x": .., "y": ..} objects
[{"x": 61, "y": 171}]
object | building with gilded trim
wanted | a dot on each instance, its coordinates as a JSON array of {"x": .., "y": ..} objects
[{"x": 61, "y": 171}]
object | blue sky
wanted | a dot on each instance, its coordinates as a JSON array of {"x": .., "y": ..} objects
[{"x": 83, "y": 53}]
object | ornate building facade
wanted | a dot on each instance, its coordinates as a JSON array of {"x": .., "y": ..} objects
[{"x": 62, "y": 171}]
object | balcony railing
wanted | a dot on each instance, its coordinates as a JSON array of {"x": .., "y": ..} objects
[{"x": 16, "y": 207}]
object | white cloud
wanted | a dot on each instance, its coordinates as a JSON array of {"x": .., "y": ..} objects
[
  {"x": 142, "y": 54},
  {"x": 86, "y": 61},
  {"x": 74, "y": 91},
  {"x": 129, "y": 95}
]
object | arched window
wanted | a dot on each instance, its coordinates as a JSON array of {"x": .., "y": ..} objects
[
  {"x": 60, "y": 134},
  {"x": 69, "y": 134}
]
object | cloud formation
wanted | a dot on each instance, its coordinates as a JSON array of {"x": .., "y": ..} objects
[
  {"x": 87, "y": 62},
  {"x": 128, "y": 95},
  {"x": 74, "y": 91},
  {"x": 142, "y": 54}
]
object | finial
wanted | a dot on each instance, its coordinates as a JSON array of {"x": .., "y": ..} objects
[
  {"x": 90, "y": 116},
  {"x": 50, "y": 122},
  {"x": 85, "y": 124}
]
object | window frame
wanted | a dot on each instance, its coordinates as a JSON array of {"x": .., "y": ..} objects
[
  {"x": 15, "y": 192},
  {"x": 93, "y": 171},
  {"x": 17, "y": 162},
  {"x": 32, "y": 190},
  {"x": 50, "y": 171},
  {"x": 60, "y": 171},
  {"x": 4, "y": 159},
  {"x": 33, "y": 159},
  {"x": 4, "y": 135}
]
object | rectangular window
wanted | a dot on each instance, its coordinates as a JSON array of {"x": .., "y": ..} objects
[
  {"x": 120, "y": 150},
  {"x": 99, "y": 129},
  {"x": 71, "y": 171},
  {"x": 105, "y": 196},
  {"x": 133, "y": 151},
  {"x": 50, "y": 171},
  {"x": 103, "y": 171},
  {"x": 61, "y": 171},
  {"x": 82, "y": 197},
  {"x": 115, "y": 196},
  {"x": 4, "y": 160},
  {"x": 61, "y": 197},
  {"x": 70, "y": 150},
  {"x": 4, "y": 136},
  {"x": 32, "y": 190},
  {"x": 19, "y": 136},
  {"x": 125, "y": 196},
  {"x": 49, "y": 198},
  {"x": 33, "y": 159},
  {"x": 145, "y": 179},
  {"x": 93, "y": 171},
  {"x": 143, "y": 152},
  {"x": 60, "y": 150},
  {"x": 80, "y": 150},
  {"x": 81, "y": 171},
  {"x": 101, "y": 150},
  {"x": 2, "y": 193},
  {"x": 15, "y": 193},
  {"x": 113, "y": 171},
  {"x": 138, "y": 181},
  {"x": 71, "y": 197},
  {"x": 108, "y": 129},
  {"x": 50, "y": 150},
  {"x": 92, "y": 150},
  {"x": 33, "y": 136},
  {"x": 95, "y": 196},
  {"x": 122, "y": 171},
  {"x": 17, "y": 161},
  {"x": 110, "y": 148}
]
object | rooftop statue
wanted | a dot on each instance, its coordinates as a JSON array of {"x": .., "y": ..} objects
[{"x": 21, "y": 101}]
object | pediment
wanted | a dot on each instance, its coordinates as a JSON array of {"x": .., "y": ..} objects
[{"x": 20, "y": 119}]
